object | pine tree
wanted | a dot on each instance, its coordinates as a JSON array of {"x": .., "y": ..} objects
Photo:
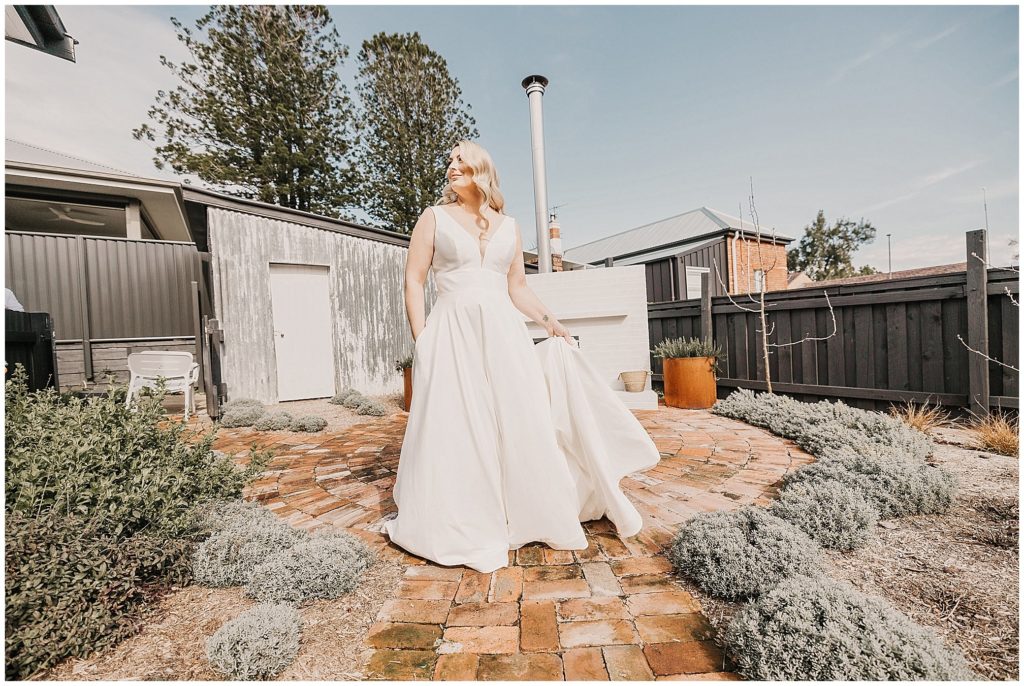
[
  {"x": 260, "y": 110},
  {"x": 411, "y": 114},
  {"x": 826, "y": 252}
]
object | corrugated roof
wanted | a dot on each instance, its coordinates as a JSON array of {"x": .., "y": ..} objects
[
  {"x": 693, "y": 224},
  {"x": 663, "y": 253},
  {"x": 16, "y": 151}
]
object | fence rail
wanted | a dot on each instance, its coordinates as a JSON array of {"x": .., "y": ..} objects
[{"x": 894, "y": 340}]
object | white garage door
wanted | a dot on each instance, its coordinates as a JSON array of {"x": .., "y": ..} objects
[{"x": 302, "y": 331}]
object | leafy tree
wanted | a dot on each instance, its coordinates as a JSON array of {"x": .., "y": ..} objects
[
  {"x": 826, "y": 252},
  {"x": 260, "y": 110},
  {"x": 411, "y": 114}
]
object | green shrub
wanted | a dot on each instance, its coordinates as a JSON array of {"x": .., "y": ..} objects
[
  {"x": 834, "y": 515},
  {"x": 325, "y": 566},
  {"x": 72, "y": 589},
  {"x": 309, "y": 423},
  {"x": 338, "y": 399},
  {"x": 275, "y": 421},
  {"x": 741, "y": 553},
  {"x": 242, "y": 416},
  {"x": 246, "y": 537},
  {"x": 93, "y": 456},
  {"x": 810, "y": 629},
  {"x": 353, "y": 400},
  {"x": 101, "y": 504},
  {"x": 895, "y": 487},
  {"x": 258, "y": 644},
  {"x": 372, "y": 407}
]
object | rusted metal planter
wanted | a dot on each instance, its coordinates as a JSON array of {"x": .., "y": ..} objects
[
  {"x": 689, "y": 382},
  {"x": 407, "y": 374}
]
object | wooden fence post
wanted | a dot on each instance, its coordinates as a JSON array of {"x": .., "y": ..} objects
[
  {"x": 706, "y": 330},
  {"x": 977, "y": 322}
]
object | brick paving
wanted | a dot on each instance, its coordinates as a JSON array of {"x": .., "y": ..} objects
[{"x": 610, "y": 612}]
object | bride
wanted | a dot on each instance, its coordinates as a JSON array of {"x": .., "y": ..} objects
[{"x": 507, "y": 443}]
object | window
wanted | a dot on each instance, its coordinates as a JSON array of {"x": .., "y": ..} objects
[
  {"x": 58, "y": 216},
  {"x": 758, "y": 280},
  {"x": 693, "y": 281}
]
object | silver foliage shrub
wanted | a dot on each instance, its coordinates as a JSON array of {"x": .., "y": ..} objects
[
  {"x": 372, "y": 407},
  {"x": 239, "y": 403},
  {"x": 894, "y": 486},
  {"x": 825, "y": 425},
  {"x": 244, "y": 538},
  {"x": 818, "y": 629},
  {"x": 326, "y": 566},
  {"x": 741, "y": 553},
  {"x": 871, "y": 452},
  {"x": 353, "y": 400},
  {"x": 275, "y": 421},
  {"x": 340, "y": 397},
  {"x": 309, "y": 423},
  {"x": 831, "y": 513},
  {"x": 258, "y": 644},
  {"x": 242, "y": 416}
]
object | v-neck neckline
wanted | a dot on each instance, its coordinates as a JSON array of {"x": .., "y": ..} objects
[{"x": 462, "y": 229}]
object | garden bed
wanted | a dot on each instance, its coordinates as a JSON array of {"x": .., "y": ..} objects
[
  {"x": 338, "y": 417},
  {"x": 956, "y": 572},
  {"x": 171, "y": 642}
]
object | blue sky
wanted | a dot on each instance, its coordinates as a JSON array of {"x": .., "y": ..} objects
[{"x": 896, "y": 114}]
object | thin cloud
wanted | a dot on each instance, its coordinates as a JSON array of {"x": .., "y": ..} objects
[
  {"x": 943, "y": 174},
  {"x": 881, "y": 46},
  {"x": 1008, "y": 78},
  {"x": 921, "y": 184},
  {"x": 925, "y": 42}
]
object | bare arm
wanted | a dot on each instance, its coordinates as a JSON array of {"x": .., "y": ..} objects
[
  {"x": 417, "y": 264},
  {"x": 525, "y": 300}
]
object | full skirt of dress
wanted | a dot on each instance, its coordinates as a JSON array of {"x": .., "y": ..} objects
[{"x": 507, "y": 442}]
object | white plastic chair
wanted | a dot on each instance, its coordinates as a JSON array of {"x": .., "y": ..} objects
[{"x": 177, "y": 368}]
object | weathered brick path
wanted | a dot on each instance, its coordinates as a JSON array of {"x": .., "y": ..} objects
[{"x": 612, "y": 611}]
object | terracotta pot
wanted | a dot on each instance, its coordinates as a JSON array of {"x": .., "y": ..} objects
[
  {"x": 407, "y": 374},
  {"x": 689, "y": 382}
]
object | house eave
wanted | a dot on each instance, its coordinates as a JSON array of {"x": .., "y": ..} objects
[
  {"x": 161, "y": 200},
  {"x": 224, "y": 201}
]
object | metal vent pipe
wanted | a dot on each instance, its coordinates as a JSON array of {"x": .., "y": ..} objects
[{"x": 535, "y": 86}]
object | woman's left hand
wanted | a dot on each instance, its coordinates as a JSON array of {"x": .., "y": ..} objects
[{"x": 557, "y": 329}]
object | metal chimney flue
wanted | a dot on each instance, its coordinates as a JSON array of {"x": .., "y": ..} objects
[{"x": 534, "y": 86}]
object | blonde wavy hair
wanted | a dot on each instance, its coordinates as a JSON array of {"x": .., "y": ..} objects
[{"x": 481, "y": 171}]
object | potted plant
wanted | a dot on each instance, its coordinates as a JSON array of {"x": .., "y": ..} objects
[
  {"x": 405, "y": 366},
  {"x": 689, "y": 372}
]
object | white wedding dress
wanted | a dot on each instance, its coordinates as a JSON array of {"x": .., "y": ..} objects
[{"x": 507, "y": 443}]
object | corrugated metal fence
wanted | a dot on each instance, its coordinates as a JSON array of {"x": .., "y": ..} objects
[{"x": 106, "y": 290}]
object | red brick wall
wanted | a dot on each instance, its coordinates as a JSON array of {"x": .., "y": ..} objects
[{"x": 771, "y": 259}]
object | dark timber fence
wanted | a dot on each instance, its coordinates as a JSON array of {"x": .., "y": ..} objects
[
  {"x": 29, "y": 342},
  {"x": 895, "y": 340}
]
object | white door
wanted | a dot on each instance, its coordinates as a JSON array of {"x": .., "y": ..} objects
[{"x": 303, "y": 342}]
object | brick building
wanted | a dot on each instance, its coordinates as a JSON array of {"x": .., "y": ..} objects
[{"x": 676, "y": 251}]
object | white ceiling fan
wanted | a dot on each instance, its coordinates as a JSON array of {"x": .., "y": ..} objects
[{"x": 65, "y": 216}]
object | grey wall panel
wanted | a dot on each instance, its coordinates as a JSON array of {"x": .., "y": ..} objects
[
  {"x": 137, "y": 289},
  {"x": 369, "y": 325},
  {"x": 709, "y": 256}
]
